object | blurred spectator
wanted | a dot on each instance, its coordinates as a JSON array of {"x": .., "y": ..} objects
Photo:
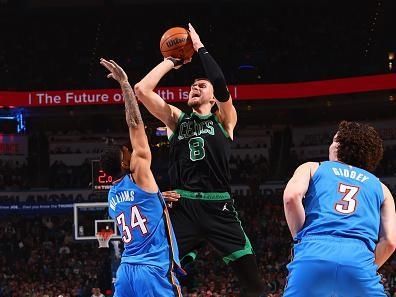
[{"x": 96, "y": 293}]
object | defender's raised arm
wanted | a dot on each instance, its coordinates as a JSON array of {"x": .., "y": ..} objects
[{"x": 141, "y": 153}]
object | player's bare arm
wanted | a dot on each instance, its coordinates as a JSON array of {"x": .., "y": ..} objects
[
  {"x": 387, "y": 239},
  {"x": 141, "y": 154},
  {"x": 294, "y": 194},
  {"x": 227, "y": 113},
  {"x": 166, "y": 113}
]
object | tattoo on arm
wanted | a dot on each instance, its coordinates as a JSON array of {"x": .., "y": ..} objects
[{"x": 132, "y": 112}]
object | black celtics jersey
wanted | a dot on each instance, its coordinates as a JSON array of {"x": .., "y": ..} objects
[{"x": 199, "y": 156}]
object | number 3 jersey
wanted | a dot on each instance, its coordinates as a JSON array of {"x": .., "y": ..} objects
[
  {"x": 343, "y": 201},
  {"x": 199, "y": 154},
  {"x": 144, "y": 224}
]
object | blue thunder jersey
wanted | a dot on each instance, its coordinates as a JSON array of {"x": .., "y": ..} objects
[
  {"x": 144, "y": 225},
  {"x": 343, "y": 201}
]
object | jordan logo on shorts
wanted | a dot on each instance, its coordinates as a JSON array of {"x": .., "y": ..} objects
[{"x": 225, "y": 207}]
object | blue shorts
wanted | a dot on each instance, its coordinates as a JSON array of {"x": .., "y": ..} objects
[
  {"x": 328, "y": 266},
  {"x": 145, "y": 281}
]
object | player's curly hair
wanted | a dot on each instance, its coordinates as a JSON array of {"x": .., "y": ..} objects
[{"x": 359, "y": 145}]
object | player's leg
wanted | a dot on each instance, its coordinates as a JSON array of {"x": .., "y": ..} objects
[
  {"x": 145, "y": 281},
  {"x": 332, "y": 266},
  {"x": 358, "y": 281},
  {"x": 245, "y": 268},
  {"x": 310, "y": 278},
  {"x": 357, "y": 273},
  {"x": 188, "y": 233},
  {"x": 312, "y": 272},
  {"x": 224, "y": 231}
]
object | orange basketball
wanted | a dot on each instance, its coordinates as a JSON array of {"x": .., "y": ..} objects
[{"x": 176, "y": 43}]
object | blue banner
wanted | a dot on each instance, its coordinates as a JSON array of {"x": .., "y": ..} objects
[{"x": 31, "y": 209}]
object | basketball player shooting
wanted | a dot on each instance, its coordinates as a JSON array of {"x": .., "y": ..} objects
[
  {"x": 200, "y": 148},
  {"x": 342, "y": 219},
  {"x": 149, "y": 262}
]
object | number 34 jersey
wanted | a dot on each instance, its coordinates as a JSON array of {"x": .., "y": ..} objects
[
  {"x": 144, "y": 224},
  {"x": 343, "y": 201},
  {"x": 199, "y": 155}
]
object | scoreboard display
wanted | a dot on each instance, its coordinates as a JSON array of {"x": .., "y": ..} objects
[{"x": 100, "y": 180}]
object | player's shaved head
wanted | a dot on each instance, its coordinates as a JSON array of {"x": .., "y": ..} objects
[{"x": 110, "y": 160}]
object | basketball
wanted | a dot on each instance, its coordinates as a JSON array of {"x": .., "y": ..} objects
[{"x": 176, "y": 43}]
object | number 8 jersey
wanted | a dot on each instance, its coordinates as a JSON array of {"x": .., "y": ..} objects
[
  {"x": 200, "y": 150},
  {"x": 143, "y": 222},
  {"x": 344, "y": 201}
]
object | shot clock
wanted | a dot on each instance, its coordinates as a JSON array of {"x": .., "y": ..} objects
[{"x": 100, "y": 180}]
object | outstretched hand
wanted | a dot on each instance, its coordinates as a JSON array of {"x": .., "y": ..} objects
[
  {"x": 171, "y": 196},
  {"x": 196, "y": 41},
  {"x": 116, "y": 72}
]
